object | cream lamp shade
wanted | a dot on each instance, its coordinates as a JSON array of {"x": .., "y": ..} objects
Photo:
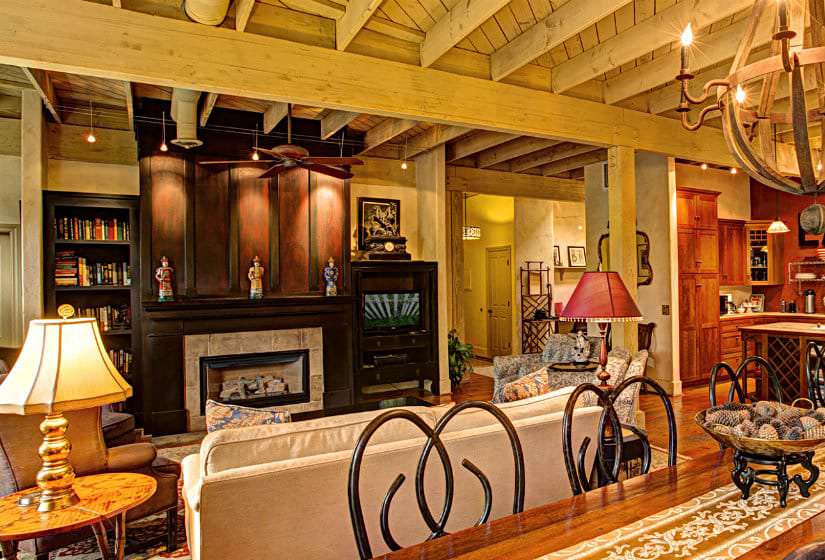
[{"x": 63, "y": 366}]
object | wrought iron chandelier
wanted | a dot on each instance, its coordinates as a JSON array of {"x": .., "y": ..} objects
[{"x": 755, "y": 150}]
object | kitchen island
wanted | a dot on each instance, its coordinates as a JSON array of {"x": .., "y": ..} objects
[{"x": 783, "y": 345}]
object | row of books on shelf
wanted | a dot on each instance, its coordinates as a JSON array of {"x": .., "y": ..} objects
[
  {"x": 122, "y": 360},
  {"x": 97, "y": 229},
  {"x": 109, "y": 317},
  {"x": 72, "y": 270}
]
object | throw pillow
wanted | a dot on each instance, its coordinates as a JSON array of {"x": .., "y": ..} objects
[
  {"x": 221, "y": 416},
  {"x": 530, "y": 385}
]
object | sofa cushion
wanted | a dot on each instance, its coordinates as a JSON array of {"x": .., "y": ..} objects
[
  {"x": 541, "y": 405},
  {"x": 221, "y": 416},
  {"x": 228, "y": 449},
  {"x": 530, "y": 385}
]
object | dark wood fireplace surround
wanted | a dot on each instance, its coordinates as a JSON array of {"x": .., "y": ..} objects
[{"x": 210, "y": 221}]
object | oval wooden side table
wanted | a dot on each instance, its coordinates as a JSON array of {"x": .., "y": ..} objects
[{"x": 103, "y": 497}]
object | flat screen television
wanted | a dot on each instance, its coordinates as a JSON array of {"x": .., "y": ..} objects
[{"x": 392, "y": 311}]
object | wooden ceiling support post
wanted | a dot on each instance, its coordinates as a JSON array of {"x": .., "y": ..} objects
[
  {"x": 621, "y": 197},
  {"x": 456, "y": 252},
  {"x": 33, "y": 179}
]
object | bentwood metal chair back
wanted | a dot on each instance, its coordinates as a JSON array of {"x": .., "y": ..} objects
[
  {"x": 815, "y": 372},
  {"x": 436, "y": 527},
  {"x": 739, "y": 380},
  {"x": 610, "y": 430}
]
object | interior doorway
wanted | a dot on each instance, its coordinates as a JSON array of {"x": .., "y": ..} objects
[{"x": 499, "y": 301}]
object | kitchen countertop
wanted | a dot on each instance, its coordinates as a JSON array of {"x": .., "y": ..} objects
[{"x": 773, "y": 315}]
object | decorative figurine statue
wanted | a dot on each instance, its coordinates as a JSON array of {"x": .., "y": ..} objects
[
  {"x": 163, "y": 276},
  {"x": 331, "y": 278},
  {"x": 255, "y": 275},
  {"x": 582, "y": 348}
]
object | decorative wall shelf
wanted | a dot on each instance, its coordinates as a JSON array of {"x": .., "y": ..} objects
[{"x": 798, "y": 266}]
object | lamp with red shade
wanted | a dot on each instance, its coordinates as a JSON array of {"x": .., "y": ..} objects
[{"x": 602, "y": 298}]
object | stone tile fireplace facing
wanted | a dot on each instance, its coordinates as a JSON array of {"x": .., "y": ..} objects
[{"x": 219, "y": 348}]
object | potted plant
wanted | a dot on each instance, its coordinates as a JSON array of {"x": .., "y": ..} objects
[{"x": 460, "y": 356}]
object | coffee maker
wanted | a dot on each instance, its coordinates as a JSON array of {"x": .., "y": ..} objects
[{"x": 726, "y": 304}]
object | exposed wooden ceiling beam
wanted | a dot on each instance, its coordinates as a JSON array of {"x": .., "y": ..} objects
[
  {"x": 273, "y": 115},
  {"x": 569, "y": 20},
  {"x": 475, "y": 143},
  {"x": 485, "y": 181},
  {"x": 513, "y": 149},
  {"x": 575, "y": 162},
  {"x": 433, "y": 137},
  {"x": 243, "y": 9},
  {"x": 654, "y": 32},
  {"x": 117, "y": 3},
  {"x": 334, "y": 121},
  {"x": 465, "y": 17},
  {"x": 41, "y": 82},
  {"x": 357, "y": 14},
  {"x": 130, "y": 104},
  {"x": 714, "y": 49},
  {"x": 385, "y": 131},
  {"x": 331, "y": 10},
  {"x": 549, "y": 155},
  {"x": 393, "y": 29},
  {"x": 323, "y": 8},
  {"x": 60, "y": 37},
  {"x": 208, "y": 105}
]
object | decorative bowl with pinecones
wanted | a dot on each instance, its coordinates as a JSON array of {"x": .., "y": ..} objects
[{"x": 766, "y": 428}]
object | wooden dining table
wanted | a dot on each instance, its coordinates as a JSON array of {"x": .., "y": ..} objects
[{"x": 557, "y": 526}]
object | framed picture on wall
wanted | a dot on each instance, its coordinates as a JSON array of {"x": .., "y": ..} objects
[
  {"x": 378, "y": 217},
  {"x": 556, "y": 255},
  {"x": 576, "y": 257}
]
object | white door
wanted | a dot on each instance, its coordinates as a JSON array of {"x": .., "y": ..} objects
[{"x": 499, "y": 308}]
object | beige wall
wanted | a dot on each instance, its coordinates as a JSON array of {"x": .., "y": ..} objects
[
  {"x": 494, "y": 215},
  {"x": 569, "y": 223},
  {"x": 735, "y": 191},
  {"x": 9, "y": 189},
  {"x": 97, "y": 178}
]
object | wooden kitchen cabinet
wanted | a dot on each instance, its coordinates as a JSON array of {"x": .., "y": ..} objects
[
  {"x": 764, "y": 259},
  {"x": 732, "y": 253},
  {"x": 698, "y": 245}
]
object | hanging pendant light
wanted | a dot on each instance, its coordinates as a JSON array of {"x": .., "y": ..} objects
[
  {"x": 255, "y": 155},
  {"x": 470, "y": 233},
  {"x": 90, "y": 138},
  {"x": 404, "y": 162},
  {"x": 163, "y": 146},
  {"x": 778, "y": 226}
]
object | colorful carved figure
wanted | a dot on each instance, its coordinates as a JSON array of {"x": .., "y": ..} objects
[
  {"x": 164, "y": 275},
  {"x": 331, "y": 278},
  {"x": 256, "y": 275}
]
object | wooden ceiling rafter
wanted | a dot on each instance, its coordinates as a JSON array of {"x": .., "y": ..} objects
[
  {"x": 555, "y": 153},
  {"x": 42, "y": 83},
  {"x": 243, "y": 11},
  {"x": 464, "y": 18},
  {"x": 475, "y": 143},
  {"x": 206, "y": 110},
  {"x": 512, "y": 150},
  {"x": 334, "y": 121},
  {"x": 356, "y": 15},
  {"x": 384, "y": 132}
]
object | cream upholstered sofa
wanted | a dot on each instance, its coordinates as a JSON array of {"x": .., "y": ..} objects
[{"x": 281, "y": 491}]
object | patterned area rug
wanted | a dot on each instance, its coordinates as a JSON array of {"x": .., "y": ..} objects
[{"x": 718, "y": 525}]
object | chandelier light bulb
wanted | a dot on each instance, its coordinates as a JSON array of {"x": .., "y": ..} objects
[
  {"x": 740, "y": 94},
  {"x": 687, "y": 36},
  {"x": 704, "y": 166}
]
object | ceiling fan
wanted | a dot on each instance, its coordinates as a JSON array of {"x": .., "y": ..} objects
[{"x": 289, "y": 156}]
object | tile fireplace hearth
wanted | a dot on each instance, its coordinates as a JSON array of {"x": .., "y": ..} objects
[{"x": 275, "y": 368}]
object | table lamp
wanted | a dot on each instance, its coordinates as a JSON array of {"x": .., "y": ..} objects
[
  {"x": 63, "y": 366},
  {"x": 602, "y": 298}
]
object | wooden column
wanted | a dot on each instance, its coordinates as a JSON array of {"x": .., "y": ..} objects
[
  {"x": 433, "y": 225},
  {"x": 456, "y": 256},
  {"x": 33, "y": 178},
  {"x": 621, "y": 169}
]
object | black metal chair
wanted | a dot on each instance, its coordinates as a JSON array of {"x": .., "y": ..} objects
[
  {"x": 815, "y": 372},
  {"x": 739, "y": 380},
  {"x": 435, "y": 526},
  {"x": 610, "y": 445}
]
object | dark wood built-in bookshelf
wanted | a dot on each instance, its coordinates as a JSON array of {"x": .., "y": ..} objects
[{"x": 82, "y": 231}]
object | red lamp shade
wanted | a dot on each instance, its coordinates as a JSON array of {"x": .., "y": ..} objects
[{"x": 601, "y": 297}]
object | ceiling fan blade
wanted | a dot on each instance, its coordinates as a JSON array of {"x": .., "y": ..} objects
[
  {"x": 334, "y": 160},
  {"x": 269, "y": 151},
  {"x": 326, "y": 170},
  {"x": 272, "y": 171},
  {"x": 225, "y": 162}
]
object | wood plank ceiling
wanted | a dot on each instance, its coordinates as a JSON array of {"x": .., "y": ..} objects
[{"x": 622, "y": 52}]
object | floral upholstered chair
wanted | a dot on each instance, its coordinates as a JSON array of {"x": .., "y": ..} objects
[
  {"x": 625, "y": 404},
  {"x": 559, "y": 348}
]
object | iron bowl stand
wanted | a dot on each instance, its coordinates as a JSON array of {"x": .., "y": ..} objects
[{"x": 744, "y": 475}]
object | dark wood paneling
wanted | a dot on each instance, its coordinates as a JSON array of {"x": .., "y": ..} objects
[
  {"x": 293, "y": 203},
  {"x": 168, "y": 216},
  {"x": 327, "y": 235},
  {"x": 253, "y": 221},
  {"x": 211, "y": 230}
]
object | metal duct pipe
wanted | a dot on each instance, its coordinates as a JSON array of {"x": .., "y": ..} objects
[
  {"x": 208, "y": 12},
  {"x": 185, "y": 114}
]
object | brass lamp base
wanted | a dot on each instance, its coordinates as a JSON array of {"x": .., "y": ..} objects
[{"x": 56, "y": 476}]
